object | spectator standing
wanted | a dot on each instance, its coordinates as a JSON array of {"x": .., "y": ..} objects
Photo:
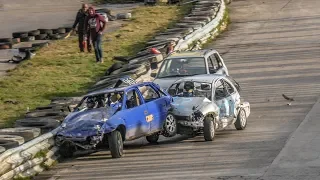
[
  {"x": 95, "y": 25},
  {"x": 80, "y": 18}
]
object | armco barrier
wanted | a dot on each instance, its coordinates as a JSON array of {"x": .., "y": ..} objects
[
  {"x": 202, "y": 33},
  {"x": 32, "y": 157}
]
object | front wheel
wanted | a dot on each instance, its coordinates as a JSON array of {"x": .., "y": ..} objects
[
  {"x": 67, "y": 150},
  {"x": 153, "y": 138},
  {"x": 208, "y": 129},
  {"x": 241, "y": 121},
  {"x": 170, "y": 126},
  {"x": 115, "y": 144}
]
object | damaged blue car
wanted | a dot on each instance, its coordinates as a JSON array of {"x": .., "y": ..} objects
[{"x": 111, "y": 116}]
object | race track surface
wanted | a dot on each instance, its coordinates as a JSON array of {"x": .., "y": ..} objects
[{"x": 271, "y": 48}]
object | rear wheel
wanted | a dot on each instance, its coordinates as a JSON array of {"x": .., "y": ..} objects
[
  {"x": 241, "y": 121},
  {"x": 115, "y": 144},
  {"x": 208, "y": 129},
  {"x": 153, "y": 138}
]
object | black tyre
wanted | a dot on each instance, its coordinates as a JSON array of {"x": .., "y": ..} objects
[
  {"x": 170, "y": 126},
  {"x": 55, "y": 36},
  {"x": 46, "y": 124},
  {"x": 6, "y": 40},
  {"x": 209, "y": 129},
  {"x": 18, "y": 139},
  {"x": 68, "y": 29},
  {"x": 43, "y": 113},
  {"x": 20, "y": 34},
  {"x": 8, "y": 144},
  {"x": 40, "y": 45},
  {"x": 114, "y": 67},
  {"x": 46, "y": 31},
  {"x": 33, "y": 33},
  {"x": 241, "y": 121},
  {"x": 153, "y": 138},
  {"x": 28, "y": 39},
  {"x": 5, "y": 45},
  {"x": 115, "y": 144},
  {"x": 42, "y": 37},
  {"x": 16, "y": 40},
  {"x": 59, "y": 31},
  {"x": 27, "y": 133},
  {"x": 130, "y": 69},
  {"x": 67, "y": 150}
]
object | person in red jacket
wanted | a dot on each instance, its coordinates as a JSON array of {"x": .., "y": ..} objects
[{"x": 95, "y": 25}]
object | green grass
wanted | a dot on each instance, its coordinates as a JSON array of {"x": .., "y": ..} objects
[{"x": 60, "y": 70}]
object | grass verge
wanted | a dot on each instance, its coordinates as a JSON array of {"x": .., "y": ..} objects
[{"x": 60, "y": 70}]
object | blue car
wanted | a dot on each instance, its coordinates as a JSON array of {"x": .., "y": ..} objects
[{"x": 111, "y": 116}]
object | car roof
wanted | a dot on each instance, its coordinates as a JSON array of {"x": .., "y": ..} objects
[
  {"x": 196, "y": 53},
  {"x": 207, "y": 78},
  {"x": 110, "y": 90}
]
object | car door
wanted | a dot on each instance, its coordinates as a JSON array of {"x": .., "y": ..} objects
[
  {"x": 156, "y": 104},
  {"x": 221, "y": 98},
  {"x": 134, "y": 114},
  {"x": 233, "y": 98}
]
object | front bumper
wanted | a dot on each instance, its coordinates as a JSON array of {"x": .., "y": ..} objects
[{"x": 192, "y": 124}]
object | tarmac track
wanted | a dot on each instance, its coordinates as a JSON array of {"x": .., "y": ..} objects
[{"x": 271, "y": 48}]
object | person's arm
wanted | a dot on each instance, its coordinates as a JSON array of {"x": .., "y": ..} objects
[
  {"x": 85, "y": 28},
  {"x": 76, "y": 21},
  {"x": 104, "y": 22}
]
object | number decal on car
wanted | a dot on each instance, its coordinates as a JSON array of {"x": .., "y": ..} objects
[{"x": 149, "y": 118}]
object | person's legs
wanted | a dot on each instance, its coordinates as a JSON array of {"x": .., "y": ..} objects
[
  {"x": 89, "y": 46},
  {"x": 96, "y": 51},
  {"x": 80, "y": 37},
  {"x": 99, "y": 45}
]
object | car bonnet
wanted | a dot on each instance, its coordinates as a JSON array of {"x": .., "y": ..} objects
[{"x": 185, "y": 106}]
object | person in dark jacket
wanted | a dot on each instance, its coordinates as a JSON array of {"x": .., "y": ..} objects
[
  {"x": 80, "y": 18},
  {"x": 95, "y": 25}
]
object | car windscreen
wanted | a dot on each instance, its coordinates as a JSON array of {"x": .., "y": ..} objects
[
  {"x": 191, "y": 89},
  {"x": 190, "y": 66}
]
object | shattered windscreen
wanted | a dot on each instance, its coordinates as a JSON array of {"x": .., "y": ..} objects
[{"x": 191, "y": 89}]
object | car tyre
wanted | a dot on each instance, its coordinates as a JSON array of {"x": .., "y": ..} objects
[
  {"x": 241, "y": 121},
  {"x": 209, "y": 129},
  {"x": 115, "y": 144},
  {"x": 170, "y": 126},
  {"x": 67, "y": 150},
  {"x": 153, "y": 138}
]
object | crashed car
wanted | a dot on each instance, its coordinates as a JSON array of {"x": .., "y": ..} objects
[
  {"x": 109, "y": 117},
  {"x": 206, "y": 103},
  {"x": 189, "y": 63}
]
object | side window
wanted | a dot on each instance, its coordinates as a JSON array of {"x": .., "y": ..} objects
[
  {"x": 211, "y": 64},
  {"x": 221, "y": 91},
  {"x": 229, "y": 87},
  {"x": 173, "y": 89},
  {"x": 148, "y": 93},
  {"x": 133, "y": 99},
  {"x": 217, "y": 60}
]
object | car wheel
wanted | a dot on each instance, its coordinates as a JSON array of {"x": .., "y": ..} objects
[
  {"x": 153, "y": 138},
  {"x": 170, "y": 126},
  {"x": 208, "y": 129},
  {"x": 115, "y": 144},
  {"x": 67, "y": 149},
  {"x": 241, "y": 121}
]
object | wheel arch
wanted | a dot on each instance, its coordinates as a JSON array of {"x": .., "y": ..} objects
[{"x": 122, "y": 129}]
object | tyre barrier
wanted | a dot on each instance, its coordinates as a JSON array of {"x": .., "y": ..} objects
[
  {"x": 46, "y": 124},
  {"x": 2, "y": 149},
  {"x": 20, "y": 34},
  {"x": 46, "y": 31},
  {"x": 65, "y": 100},
  {"x": 40, "y": 45},
  {"x": 18, "y": 139},
  {"x": 46, "y": 112},
  {"x": 5, "y": 40},
  {"x": 28, "y": 39},
  {"x": 42, "y": 37},
  {"x": 124, "y": 16},
  {"x": 34, "y": 33},
  {"x": 16, "y": 40},
  {"x": 8, "y": 144},
  {"x": 28, "y": 133},
  {"x": 59, "y": 31},
  {"x": 5, "y": 45}
]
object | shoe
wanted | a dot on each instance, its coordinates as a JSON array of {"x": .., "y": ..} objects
[{"x": 101, "y": 60}]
